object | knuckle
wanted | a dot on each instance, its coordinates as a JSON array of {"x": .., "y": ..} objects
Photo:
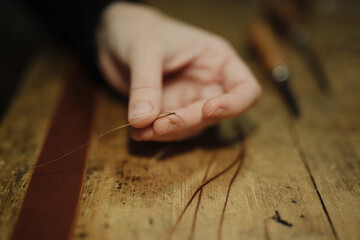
[
  {"x": 257, "y": 90},
  {"x": 144, "y": 83},
  {"x": 222, "y": 43},
  {"x": 143, "y": 44},
  {"x": 144, "y": 41}
]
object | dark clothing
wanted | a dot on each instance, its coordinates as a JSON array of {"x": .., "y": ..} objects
[{"x": 73, "y": 21}]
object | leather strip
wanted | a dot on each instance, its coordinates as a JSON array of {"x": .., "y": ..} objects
[{"x": 50, "y": 205}]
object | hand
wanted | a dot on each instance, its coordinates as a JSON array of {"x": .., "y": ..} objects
[{"x": 172, "y": 67}]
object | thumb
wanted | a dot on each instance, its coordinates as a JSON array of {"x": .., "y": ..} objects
[{"x": 146, "y": 62}]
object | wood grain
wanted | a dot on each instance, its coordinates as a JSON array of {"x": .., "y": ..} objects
[
  {"x": 328, "y": 133},
  {"x": 300, "y": 179},
  {"x": 52, "y": 196},
  {"x": 23, "y": 130}
]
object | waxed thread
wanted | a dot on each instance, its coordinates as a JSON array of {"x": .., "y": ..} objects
[
  {"x": 193, "y": 225},
  {"x": 232, "y": 164},
  {"x": 106, "y": 133},
  {"x": 241, "y": 159}
]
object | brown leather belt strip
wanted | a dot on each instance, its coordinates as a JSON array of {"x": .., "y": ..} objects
[{"x": 50, "y": 205}]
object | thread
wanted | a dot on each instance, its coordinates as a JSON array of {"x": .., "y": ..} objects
[
  {"x": 193, "y": 225},
  {"x": 238, "y": 158},
  {"x": 106, "y": 133},
  {"x": 241, "y": 161}
]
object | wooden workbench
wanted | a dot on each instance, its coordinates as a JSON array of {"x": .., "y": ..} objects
[{"x": 300, "y": 178}]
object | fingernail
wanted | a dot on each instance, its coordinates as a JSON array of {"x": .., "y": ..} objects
[
  {"x": 171, "y": 127},
  {"x": 141, "y": 109},
  {"x": 217, "y": 112}
]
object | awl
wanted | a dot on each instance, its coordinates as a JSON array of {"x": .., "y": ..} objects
[
  {"x": 264, "y": 42},
  {"x": 286, "y": 17}
]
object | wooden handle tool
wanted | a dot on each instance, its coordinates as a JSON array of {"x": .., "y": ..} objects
[
  {"x": 264, "y": 42},
  {"x": 285, "y": 15}
]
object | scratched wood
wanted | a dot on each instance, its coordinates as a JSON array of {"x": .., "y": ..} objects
[
  {"x": 300, "y": 179},
  {"x": 329, "y": 130},
  {"x": 24, "y": 128},
  {"x": 130, "y": 196},
  {"x": 139, "y": 197}
]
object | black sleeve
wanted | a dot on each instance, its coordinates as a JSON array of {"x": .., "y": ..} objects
[{"x": 73, "y": 21}]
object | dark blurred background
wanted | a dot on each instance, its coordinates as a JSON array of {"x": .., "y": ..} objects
[{"x": 24, "y": 32}]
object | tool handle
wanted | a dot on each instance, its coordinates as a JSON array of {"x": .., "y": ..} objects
[{"x": 264, "y": 42}]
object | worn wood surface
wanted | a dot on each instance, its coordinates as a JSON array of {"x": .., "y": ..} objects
[
  {"x": 23, "y": 130},
  {"x": 299, "y": 180}
]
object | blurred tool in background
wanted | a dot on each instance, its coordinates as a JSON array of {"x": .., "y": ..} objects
[
  {"x": 287, "y": 17},
  {"x": 264, "y": 42}
]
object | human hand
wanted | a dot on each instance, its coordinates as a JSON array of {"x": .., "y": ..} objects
[{"x": 172, "y": 67}]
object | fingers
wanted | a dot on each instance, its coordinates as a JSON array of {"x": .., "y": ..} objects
[
  {"x": 187, "y": 122},
  {"x": 242, "y": 91},
  {"x": 145, "y": 62},
  {"x": 146, "y": 134}
]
